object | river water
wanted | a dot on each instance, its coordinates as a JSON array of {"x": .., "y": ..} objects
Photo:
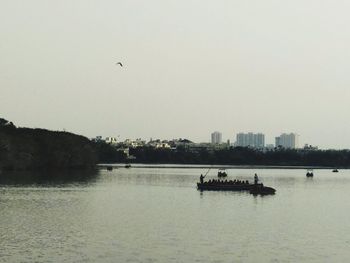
[{"x": 157, "y": 215}]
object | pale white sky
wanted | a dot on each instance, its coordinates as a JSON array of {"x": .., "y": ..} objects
[{"x": 191, "y": 67}]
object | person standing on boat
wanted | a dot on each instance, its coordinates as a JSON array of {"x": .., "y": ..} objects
[
  {"x": 256, "y": 179},
  {"x": 201, "y": 178}
]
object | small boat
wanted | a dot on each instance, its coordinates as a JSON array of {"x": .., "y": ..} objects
[
  {"x": 128, "y": 165},
  {"x": 309, "y": 173},
  {"x": 109, "y": 168},
  {"x": 335, "y": 170},
  {"x": 222, "y": 173}
]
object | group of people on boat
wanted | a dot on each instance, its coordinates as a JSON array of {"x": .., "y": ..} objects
[
  {"x": 230, "y": 182},
  {"x": 235, "y": 185},
  {"x": 236, "y": 182}
]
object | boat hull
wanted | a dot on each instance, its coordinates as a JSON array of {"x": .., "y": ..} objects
[
  {"x": 224, "y": 187},
  {"x": 255, "y": 189}
]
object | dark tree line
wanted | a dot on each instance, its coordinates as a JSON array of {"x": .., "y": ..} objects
[
  {"x": 107, "y": 153},
  {"x": 244, "y": 156}
]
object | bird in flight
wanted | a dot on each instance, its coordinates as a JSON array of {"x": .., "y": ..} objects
[{"x": 119, "y": 63}]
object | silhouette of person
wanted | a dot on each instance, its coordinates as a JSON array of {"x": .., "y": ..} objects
[
  {"x": 201, "y": 178},
  {"x": 256, "y": 179}
]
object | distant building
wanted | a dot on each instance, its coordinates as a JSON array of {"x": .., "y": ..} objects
[
  {"x": 288, "y": 141},
  {"x": 174, "y": 143},
  {"x": 216, "y": 137},
  {"x": 255, "y": 140},
  {"x": 309, "y": 147},
  {"x": 278, "y": 141},
  {"x": 111, "y": 140},
  {"x": 134, "y": 143},
  {"x": 164, "y": 144}
]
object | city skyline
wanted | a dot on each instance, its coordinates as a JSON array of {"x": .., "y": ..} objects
[
  {"x": 253, "y": 66},
  {"x": 243, "y": 139}
]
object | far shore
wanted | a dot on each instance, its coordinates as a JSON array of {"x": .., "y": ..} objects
[{"x": 214, "y": 166}]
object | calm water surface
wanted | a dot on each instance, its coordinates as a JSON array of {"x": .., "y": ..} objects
[{"x": 157, "y": 215}]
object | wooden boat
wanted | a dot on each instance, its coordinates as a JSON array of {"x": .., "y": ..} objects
[
  {"x": 128, "y": 165},
  {"x": 335, "y": 170},
  {"x": 222, "y": 173},
  {"x": 256, "y": 189},
  {"x": 109, "y": 168}
]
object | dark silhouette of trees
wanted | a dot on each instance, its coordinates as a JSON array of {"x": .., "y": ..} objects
[
  {"x": 37, "y": 149},
  {"x": 243, "y": 156},
  {"x": 107, "y": 153},
  {"x": 24, "y": 148}
]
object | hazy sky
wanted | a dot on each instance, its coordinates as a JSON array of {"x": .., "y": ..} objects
[{"x": 191, "y": 67}]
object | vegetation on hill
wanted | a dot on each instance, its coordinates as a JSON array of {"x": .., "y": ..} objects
[
  {"x": 25, "y": 149},
  {"x": 35, "y": 149}
]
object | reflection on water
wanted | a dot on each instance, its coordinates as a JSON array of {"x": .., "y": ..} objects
[
  {"x": 157, "y": 215},
  {"x": 47, "y": 178}
]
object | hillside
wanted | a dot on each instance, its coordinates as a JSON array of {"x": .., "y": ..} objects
[{"x": 31, "y": 149}]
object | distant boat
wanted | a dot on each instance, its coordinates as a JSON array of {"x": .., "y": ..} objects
[
  {"x": 128, "y": 165},
  {"x": 335, "y": 170},
  {"x": 309, "y": 173},
  {"x": 109, "y": 168},
  {"x": 222, "y": 173}
]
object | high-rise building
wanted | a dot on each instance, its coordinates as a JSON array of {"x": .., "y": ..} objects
[
  {"x": 256, "y": 140},
  {"x": 277, "y": 141},
  {"x": 216, "y": 137},
  {"x": 290, "y": 141}
]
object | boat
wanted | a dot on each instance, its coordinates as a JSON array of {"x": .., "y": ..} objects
[
  {"x": 128, "y": 165},
  {"x": 217, "y": 185},
  {"x": 222, "y": 173},
  {"x": 309, "y": 173},
  {"x": 109, "y": 168},
  {"x": 335, "y": 170}
]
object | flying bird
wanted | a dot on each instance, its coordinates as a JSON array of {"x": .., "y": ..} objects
[{"x": 119, "y": 63}]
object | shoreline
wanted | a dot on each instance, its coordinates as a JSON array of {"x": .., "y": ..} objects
[{"x": 215, "y": 166}]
